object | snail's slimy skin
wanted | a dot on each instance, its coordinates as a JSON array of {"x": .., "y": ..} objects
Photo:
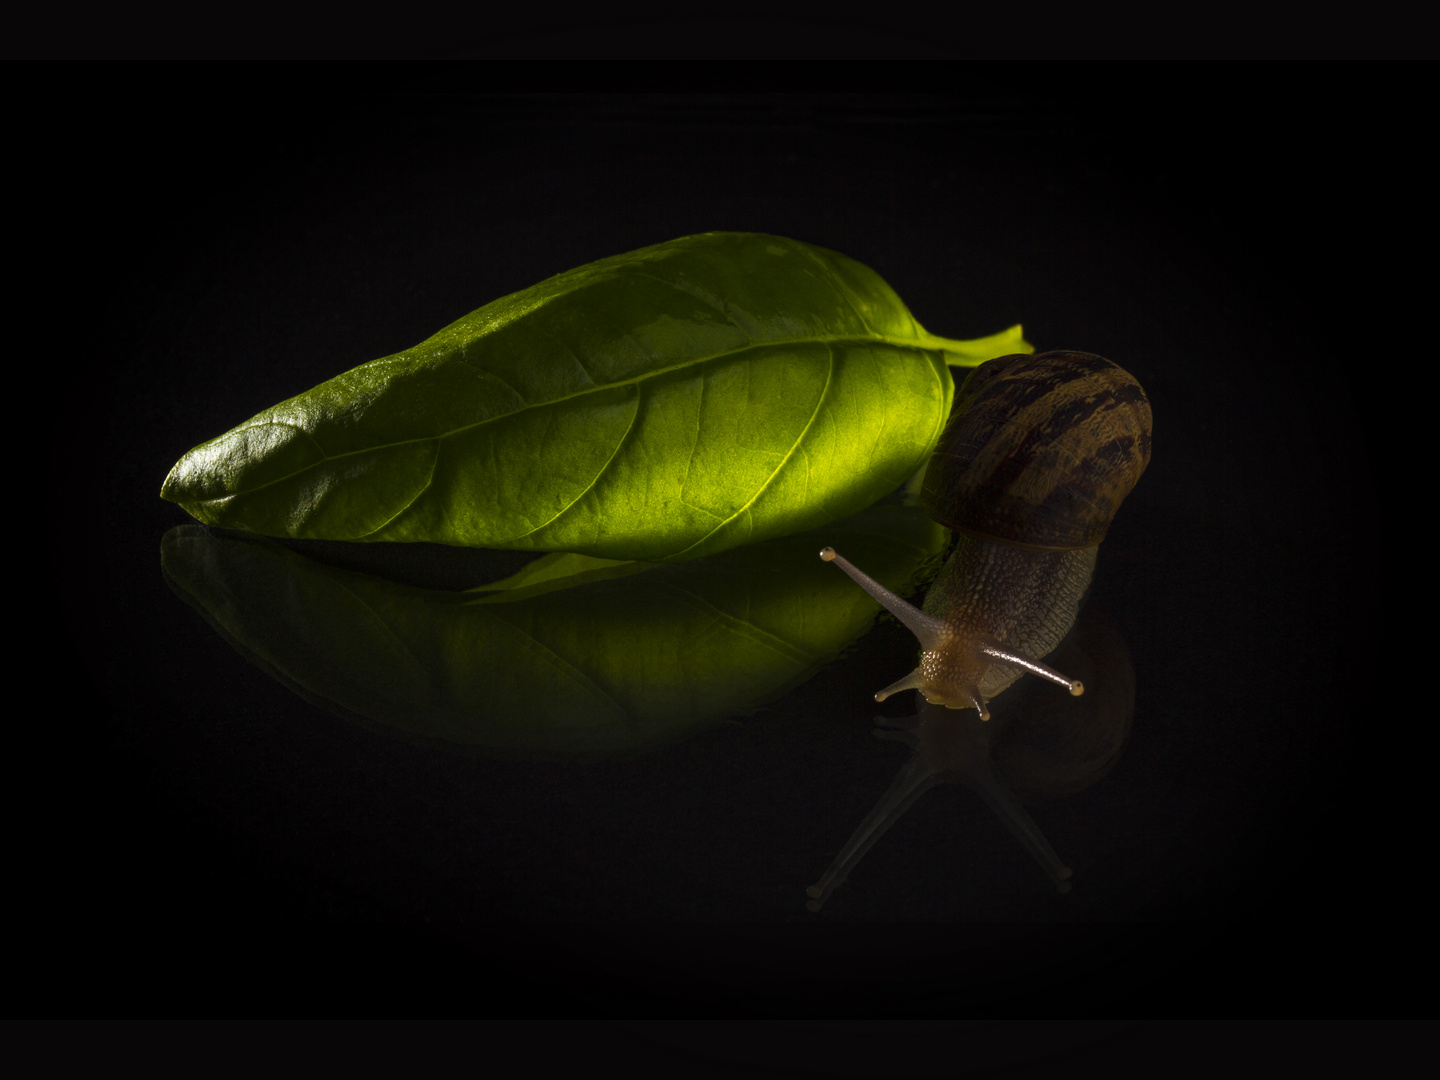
[
  {"x": 1019, "y": 599},
  {"x": 975, "y": 633}
]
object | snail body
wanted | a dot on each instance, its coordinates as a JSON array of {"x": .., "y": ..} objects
[
  {"x": 1039, "y": 454},
  {"x": 1029, "y": 473}
]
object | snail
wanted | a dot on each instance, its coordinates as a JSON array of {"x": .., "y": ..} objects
[{"x": 1039, "y": 454}]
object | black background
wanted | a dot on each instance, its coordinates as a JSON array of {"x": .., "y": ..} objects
[{"x": 225, "y": 240}]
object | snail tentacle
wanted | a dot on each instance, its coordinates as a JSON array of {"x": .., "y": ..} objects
[
  {"x": 1045, "y": 671},
  {"x": 930, "y": 630}
]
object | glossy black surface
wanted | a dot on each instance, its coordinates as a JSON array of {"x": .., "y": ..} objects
[{"x": 179, "y": 811}]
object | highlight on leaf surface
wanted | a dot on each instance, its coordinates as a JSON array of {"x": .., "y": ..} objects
[{"x": 659, "y": 405}]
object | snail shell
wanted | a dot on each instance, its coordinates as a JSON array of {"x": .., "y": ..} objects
[{"x": 1041, "y": 451}]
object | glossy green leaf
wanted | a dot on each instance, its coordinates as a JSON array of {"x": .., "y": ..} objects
[
  {"x": 562, "y": 570},
  {"x": 661, "y": 405},
  {"x": 646, "y": 655}
]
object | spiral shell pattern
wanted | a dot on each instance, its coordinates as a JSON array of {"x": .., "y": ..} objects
[{"x": 1040, "y": 451}]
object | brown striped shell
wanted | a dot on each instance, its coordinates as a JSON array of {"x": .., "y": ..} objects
[{"x": 1040, "y": 451}]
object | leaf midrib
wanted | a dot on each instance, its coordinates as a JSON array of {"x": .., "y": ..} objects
[{"x": 928, "y": 344}]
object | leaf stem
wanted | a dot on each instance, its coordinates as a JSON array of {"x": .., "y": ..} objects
[{"x": 977, "y": 351}]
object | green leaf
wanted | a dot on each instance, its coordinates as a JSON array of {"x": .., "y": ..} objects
[
  {"x": 648, "y": 655},
  {"x": 561, "y": 570},
  {"x": 660, "y": 405}
]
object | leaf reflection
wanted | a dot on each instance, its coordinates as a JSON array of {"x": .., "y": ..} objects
[{"x": 571, "y": 655}]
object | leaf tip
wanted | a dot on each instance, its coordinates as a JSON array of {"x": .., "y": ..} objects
[{"x": 174, "y": 488}]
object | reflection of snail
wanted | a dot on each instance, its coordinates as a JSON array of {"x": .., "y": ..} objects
[
  {"x": 1036, "y": 460},
  {"x": 1029, "y": 473},
  {"x": 1044, "y": 746}
]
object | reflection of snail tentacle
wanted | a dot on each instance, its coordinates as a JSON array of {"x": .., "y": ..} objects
[
  {"x": 1045, "y": 743},
  {"x": 915, "y": 778}
]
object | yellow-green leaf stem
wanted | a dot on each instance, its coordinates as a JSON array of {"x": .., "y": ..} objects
[{"x": 974, "y": 353}]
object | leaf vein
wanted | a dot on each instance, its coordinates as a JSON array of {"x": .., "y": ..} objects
[
  {"x": 799, "y": 439},
  {"x": 705, "y": 297},
  {"x": 840, "y": 285},
  {"x": 599, "y": 473},
  {"x": 745, "y": 628},
  {"x": 878, "y": 339},
  {"x": 564, "y": 666},
  {"x": 460, "y": 357},
  {"x": 429, "y": 480}
]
